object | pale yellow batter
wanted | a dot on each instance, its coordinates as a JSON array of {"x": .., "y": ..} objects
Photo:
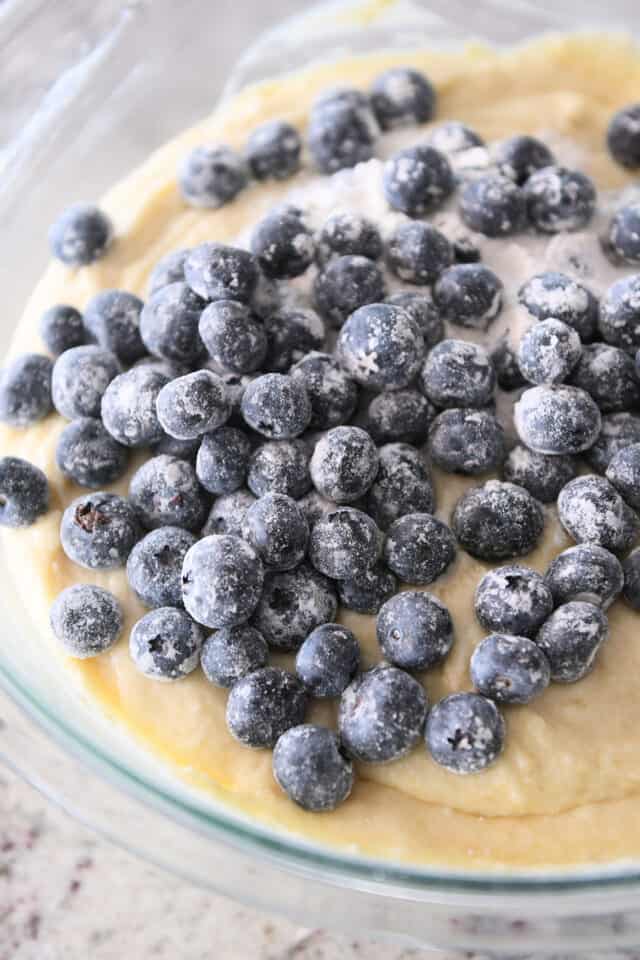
[{"x": 567, "y": 789}]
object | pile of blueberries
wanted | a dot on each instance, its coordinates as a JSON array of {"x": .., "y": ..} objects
[{"x": 285, "y": 480}]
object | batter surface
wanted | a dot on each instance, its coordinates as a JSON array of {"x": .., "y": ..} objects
[{"x": 567, "y": 789}]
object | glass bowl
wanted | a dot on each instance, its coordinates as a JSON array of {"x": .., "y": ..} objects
[{"x": 87, "y": 116}]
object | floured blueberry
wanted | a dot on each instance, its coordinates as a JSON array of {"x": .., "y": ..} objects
[
  {"x": 619, "y": 321},
  {"x": 418, "y": 253},
  {"x": 273, "y": 150},
  {"x": 571, "y": 638},
  {"x": 520, "y": 156},
  {"x": 624, "y": 233},
  {"x": 227, "y": 513},
  {"x": 402, "y": 96},
  {"x": 505, "y": 363},
  {"x": 277, "y": 406},
  {"x": 311, "y": 767},
  {"x": 231, "y": 653},
  {"x": 466, "y": 441},
  {"x": 624, "y": 473},
  {"x": 154, "y": 566},
  {"x": 344, "y": 284},
  {"x": 165, "y": 644},
  {"x": 169, "y": 323},
  {"x": 88, "y": 453},
  {"x": 294, "y": 603},
  {"x": 417, "y": 180},
  {"x": 216, "y": 271},
  {"x": 342, "y": 130},
  {"x": 631, "y": 589},
  {"x": 25, "y": 390},
  {"x": 557, "y": 419},
  {"x": 222, "y": 579},
  {"x": 419, "y": 548},
  {"x": 234, "y": 337},
  {"x": 414, "y": 630},
  {"x": 623, "y": 136},
  {"x": 457, "y": 373},
  {"x": 277, "y": 529},
  {"x": 344, "y": 464},
  {"x": 61, "y": 328},
  {"x": 402, "y": 485},
  {"x": 469, "y": 295},
  {"x": 165, "y": 492},
  {"x": 592, "y": 511},
  {"x": 24, "y": 492},
  {"x": 98, "y": 530},
  {"x": 465, "y": 732},
  {"x": 280, "y": 466},
  {"x": 451, "y": 136},
  {"x": 193, "y": 405},
  {"x": 291, "y": 336},
  {"x": 333, "y": 394},
  {"x": 381, "y": 347},
  {"x": 328, "y": 660},
  {"x": 549, "y": 351},
  {"x": 283, "y": 243},
  {"x": 553, "y": 294},
  {"x": 80, "y": 377},
  {"x": 402, "y": 415},
  {"x": 559, "y": 199},
  {"x": 421, "y": 308},
  {"x": 86, "y": 620},
  {"x": 543, "y": 475},
  {"x": 348, "y": 233},
  {"x": 169, "y": 269},
  {"x": 513, "y": 600},
  {"x": 509, "y": 669},
  {"x": 223, "y": 460},
  {"x": 369, "y": 590},
  {"x": 493, "y": 205},
  {"x": 608, "y": 375},
  {"x": 344, "y": 543},
  {"x": 80, "y": 235},
  {"x": 112, "y": 318},
  {"x": 498, "y": 521},
  {"x": 585, "y": 572},
  {"x": 264, "y": 704},
  {"x": 211, "y": 176},
  {"x": 129, "y": 409}
]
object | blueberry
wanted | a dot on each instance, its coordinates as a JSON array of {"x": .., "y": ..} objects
[
  {"x": 608, "y": 374},
  {"x": 309, "y": 765},
  {"x": 498, "y": 521},
  {"x": 414, "y": 630},
  {"x": 624, "y": 473},
  {"x": 571, "y": 638},
  {"x": 457, "y": 373},
  {"x": 328, "y": 660},
  {"x": 314, "y": 506},
  {"x": 619, "y": 321},
  {"x": 263, "y": 705},
  {"x": 417, "y": 180},
  {"x": 348, "y": 233},
  {"x": 231, "y": 653},
  {"x": 631, "y": 589},
  {"x": 586, "y": 572},
  {"x": 454, "y": 137},
  {"x": 465, "y": 732},
  {"x": 24, "y": 492},
  {"x": 466, "y": 441},
  {"x": 280, "y": 466},
  {"x": 170, "y": 269},
  {"x": 333, "y": 395},
  {"x": 211, "y": 176},
  {"x": 513, "y": 600},
  {"x": 215, "y": 271},
  {"x": 592, "y": 511},
  {"x": 79, "y": 379},
  {"x": 342, "y": 130},
  {"x": 61, "y": 328},
  {"x": 227, "y": 513},
  {"x": 344, "y": 543},
  {"x": 222, "y": 460},
  {"x": 80, "y": 235},
  {"x": 165, "y": 644},
  {"x": 344, "y": 284},
  {"x": 222, "y": 579},
  {"x": 549, "y": 351},
  {"x": 112, "y": 318},
  {"x": 367, "y": 592},
  {"x": 25, "y": 390},
  {"x": 418, "y": 253},
  {"x": 505, "y": 364},
  {"x": 559, "y": 199},
  {"x": 402, "y": 96},
  {"x": 129, "y": 407},
  {"x": 519, "y": 157},
  {"x": 277, "y": 529},
  {"x": 553, "y": 294},
  {"x": 283, "y": 243},
  {"x": 623, "y": 136},
  {"x": 190, "y": 406},
  {"x": 294, "y": 603},
  {"x": 86, "y": 620},
  {"x": 509, "y": 669},
  {"x": 165, "y": 492},
  {"x": 291, "y": 335},
  {"x": 402, "y": 415},
  {"x": 277, "y": 406},
  {"x": 468, "y": 295},
  {"x": 493, "y": 205},
  {"x": 624, "y": 233},
  {"x": 169, "y": 323},
  {"x": 154, "y": 566},
  {"x": 419, "y": 548},
  {"x": 98, "y": 530},
  {"x": 402, "y": 485},
  {"x": 421, "y": 309},
  {"x": 273, "y": 150},
  {"x": 542, "y": 474},
  {"x": 233, "y": 336},
  {"x": 182, "y": 449},
  {"x": 381, "y": 347},
  {"x": 382, "y": 715},
  {"x": 88, "y": 454},
  {"x": 344, "y": 464},
  {"x": 557, "y": 419}
]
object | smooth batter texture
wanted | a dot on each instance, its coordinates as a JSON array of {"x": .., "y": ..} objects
[{"x": 566, "y": 791}]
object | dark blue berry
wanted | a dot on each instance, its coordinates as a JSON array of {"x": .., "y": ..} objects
[
  {"x": 402, "y": 485},
  {"x": 348, "y": 233},
  {"x": 513, "y": 600},
  {"x": 165, "y": 644},
  {"x": 24, "y": 492},
  {"x": 211, "y": 176},
  {"x": 344, "y": 464},
  {"x": 418, "y": 253},
  {"x": 154, "y": 567},
  {"x": 493, "y": 205},
  {"x": 344, "y": 284},
  {"x": 367, "y": 592},
  {"x": 414, "y": 630},
  {"x": 328, "y": 660},
  {"x": 344, "y": 543},
  {"x": 233, "y": 336},
  {"x": 273, "y": 150},
  {"x": 227, "y": 513},
  {"x": 549, "y": 351},
  {"x": 571, "y": 638},
  {"x": 619, "y": 321},
  {"x": 333, "y": 395},
  {"x": 98, "y": 530},
  {"x": 509, "y": 669},
  {"x": 79, "y": 379},
  {"x": 165, "y": 492},
  {"x": 232, "y": 653},
  {"x": 553, "y": 294},
  {"x": 557, "y": 419},
  {"x": 608, "y": 374},
  {"x": 169, "y": 323},
  {"x": 586, "y": 572},
  {"x": 382, "y": 715},
  {"x": 623, "y": 136},
  {"x": 381, "y": 347},
  {"x": 223, "y": 460},
  {"x": 419, "y": 548},
  {"x": 170, "y": 269},
  {"x": 559, "y": 199},
  {"x": 192, "y": 405},
  {"x": 631, "y": 589},
  {"x": 222, "y": 579},
  {"x": 421, "y": 308},
  {"x": 342, "y": 130},
  {"x": 283, "y": 243},
  {"x": 112, "y": 318},
  {"x": 457, "y": 373},
  {"x": 619, "y": 430},
  {"x": 505, "y": 364},
  {"x": 277, "y": 406},
  {"x": 80, "y": 235},
  {"x": 520, "y": 156},
  {"x": 417, "y": 180},
  {"x": 294, "y": 603},
  {"x": 291, "y": 336},
  {"x": 277, "y": 529},
  {"x": 624, "y": 473},
  {"x": 311, "y": 768},
  {"x": 25, "y": 390},
  {"x": 543, "y": 475},
  {"x": 466, "y": 441},
  {"x": 88, "y": 454},
  {"x": 465, "y": 732},
  {"x": 498, "y": 521},
  {"x": 263, "y": 705},
  {"x": 216, "y": 271},
  {"x": 402, "y": 96},
  {"x": 469, "y": 295},
  {"x": 624, "y": 233},
  {"x": 129, "y": 406},
  {"x": 86, "y": 620},
  {"x": 402, "y": 415},
  {"x": 451, "y": 136},
  {"x": 315, "y": 506},
  {"x": 61, "y": 328},
  {"x": 592, "y": 511},
  {"x": 280, "y": 466}
]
